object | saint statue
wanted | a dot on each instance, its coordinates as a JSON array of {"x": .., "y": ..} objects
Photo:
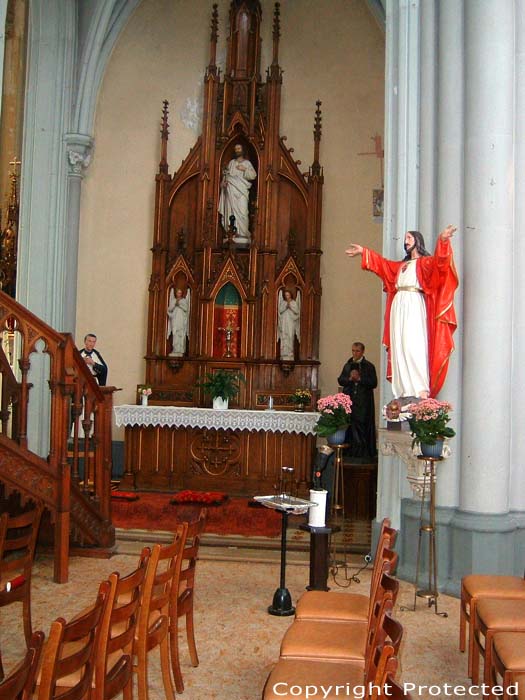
[
  {"x": 178, "y": 321},
  {"x": 289, "y": 322},
  {"x": 419, "y": 315},
  {"x": 235, "y": 189}
]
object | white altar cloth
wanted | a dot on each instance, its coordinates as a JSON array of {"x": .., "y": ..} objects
[{"x": 231, "y": 419}]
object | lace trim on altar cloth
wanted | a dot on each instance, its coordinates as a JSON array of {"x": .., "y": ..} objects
[{"x": 231, "y": 419}]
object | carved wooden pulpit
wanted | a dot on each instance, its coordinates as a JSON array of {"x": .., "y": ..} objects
[{"x": 235, "y": 263}]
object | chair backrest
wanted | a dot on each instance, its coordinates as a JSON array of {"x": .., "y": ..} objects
[
  {"x": 117, "y": 632},
  {"x": 19, "y": 542},
  {"x": 386, "y": 597},
  {"x": 69, "y": 656},
  {"x": 161, "y": 585},
  {"x": 19, "y": 685},
  {"x": 190, "y": 553},
  {"x": 384, "y": 662},
  {"x": 386, "y": 563}
]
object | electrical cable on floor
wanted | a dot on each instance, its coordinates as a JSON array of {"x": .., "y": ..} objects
[{"x": 354, "y": 577}]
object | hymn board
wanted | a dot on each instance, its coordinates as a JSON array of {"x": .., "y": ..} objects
[{"x": 235, "y": 280}]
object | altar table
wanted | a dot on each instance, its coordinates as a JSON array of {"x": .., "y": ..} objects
[{"x": 238, "y": 451}]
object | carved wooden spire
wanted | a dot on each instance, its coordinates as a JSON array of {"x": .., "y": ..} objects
[
  {"x": 276, "y": 32},
  {"x": 164, "y": 133},
  {"x": 317, "y": 136},
  {"x": 214, "y": 35}
]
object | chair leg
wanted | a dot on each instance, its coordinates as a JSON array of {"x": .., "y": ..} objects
[
  {"x": 165, "y": 668},
  {"x": 472, "y": 617},
  {"x": 26, "y": 614},
  {"x": 127, "y": 691},
  {"x": 462, "y": 624},
  {"x": 476, "y": 652},
  {"x": 488, "y": 657},
  {"x": 175, "y": 658},
  {"x": 2, "y": 674},
  {"x": 142, "y": 675},
  {"x": 190, "y": 635}
]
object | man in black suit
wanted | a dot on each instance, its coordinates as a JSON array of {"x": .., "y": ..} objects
[
  {"x": 94, "y": 359},
  {"x": 359, "y": 379}
]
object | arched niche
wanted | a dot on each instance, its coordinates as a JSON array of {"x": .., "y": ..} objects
[
  {"x": 251, "y": 154},
  {"x": 289, "y": 320},
  {"x": 178, "y": 305},
  {"x": 227, "y": 322}
]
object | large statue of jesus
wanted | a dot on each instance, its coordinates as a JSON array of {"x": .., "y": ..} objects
[
  {"x": 235, "y": 189},
  {"x": 419, "y": 316}
]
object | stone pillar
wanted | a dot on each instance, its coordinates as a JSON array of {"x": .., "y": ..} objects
[
  {"x": 488, "y": 263},
  {"x": 402, "y": 115},
  {"x": 517, "y": 490},
  {"x": 79, "y": 156},
  {"x": 44, "y": 284}
]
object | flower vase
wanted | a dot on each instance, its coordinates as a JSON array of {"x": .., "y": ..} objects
[
  {"x": 144, "y": 399},
  {"x": 299, "y": 408},
  {"x": 435, "y": 450},
  {"x": 220, "y": 404},
  {"x": 337, "y": 438}
]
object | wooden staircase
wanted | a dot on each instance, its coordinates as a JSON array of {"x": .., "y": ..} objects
[{"x": 74, "y": 481}]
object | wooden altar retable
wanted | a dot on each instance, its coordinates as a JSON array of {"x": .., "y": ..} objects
[{"x": 241, "y": 451}]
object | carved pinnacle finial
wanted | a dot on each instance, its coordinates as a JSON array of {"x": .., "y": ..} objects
[
  {"x": 276, "y": 32},
  {"x": 164, "y": 133},
  {"x": 214, "y": 35},
  {"x": 317, "y": 133}
]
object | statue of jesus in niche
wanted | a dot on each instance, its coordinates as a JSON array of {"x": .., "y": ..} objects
[{"x": 235, "y": 189}]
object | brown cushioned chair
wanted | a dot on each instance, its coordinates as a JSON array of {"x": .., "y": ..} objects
[
  {"x": 182, "y": 604},
  {"x": 160, "y": 584},
  {"x": 114, "y": 655},
  {"x": 68, "y": 660},
  {"x": 473, "y": 588},
  {"x": 18, "y": 537},
  {"x": 491, "y": 616},
  {"x": 332, "y": 640},
  {"x": 301, "y": 673},
  {"x": 19, "y": 685},
  {"x": 507, "y": 662}
]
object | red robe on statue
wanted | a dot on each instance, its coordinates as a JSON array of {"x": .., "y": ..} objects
[{"x": 438, "y": 279}]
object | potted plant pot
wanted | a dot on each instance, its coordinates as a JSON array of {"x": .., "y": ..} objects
[{"x": 220, "y": 404}]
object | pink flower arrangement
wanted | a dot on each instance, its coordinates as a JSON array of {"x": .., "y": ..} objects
[
  {"x": 335, "y": 413},
  {"x": 429, "y": 421},
  {"x": 145, "y": 390}
]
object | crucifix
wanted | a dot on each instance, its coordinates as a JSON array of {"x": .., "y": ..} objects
[{"x": 228, "y": 331}]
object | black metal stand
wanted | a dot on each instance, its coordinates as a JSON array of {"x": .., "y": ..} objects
[{"x": 282, "y": 600}]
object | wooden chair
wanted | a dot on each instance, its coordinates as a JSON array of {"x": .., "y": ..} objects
[
  {"x": 507, "y": 661},
  {"x": 68, "y": 660},
  {"x": 156, "y": 604},
  {"x": 304, "y": 673},
  {"x": 182, "y": 604},
  {"x": 473, "y": 588},
  {"x": 491, "y": 616},
  {"x": 395, "y": 691},
  {"x": 114, "y": 654},
  {"x": 333, "y": 640},
  {"x": 328, "y": 605},
  {"x": 19, "y": 685},
  {"x": 18, "y": 537}
]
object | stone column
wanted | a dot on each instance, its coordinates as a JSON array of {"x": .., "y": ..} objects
[
  {"x": 517, "y": 491},
  {"x": 488, "y": 263},
  {"x": 44, "y": 284}
]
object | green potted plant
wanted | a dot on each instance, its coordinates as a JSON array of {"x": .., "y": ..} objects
[
  {"x": 428, "y": 424},
  {"x": 222, "y": 385}
]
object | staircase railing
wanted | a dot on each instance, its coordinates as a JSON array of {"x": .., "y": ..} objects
[{"x": 77, "y": 468}]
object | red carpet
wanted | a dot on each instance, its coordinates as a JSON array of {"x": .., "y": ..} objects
[{"x": 153, "y": 512}]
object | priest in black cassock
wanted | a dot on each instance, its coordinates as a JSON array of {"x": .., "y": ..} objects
[
  {"x": 94, "y": 359},
  {"x": 359, "y": 379}
]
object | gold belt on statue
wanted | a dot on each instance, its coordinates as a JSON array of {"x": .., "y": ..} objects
[{"x": 410, "y": 289}]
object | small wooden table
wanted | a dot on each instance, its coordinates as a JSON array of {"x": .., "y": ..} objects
[{"x": 319, "y": 559}]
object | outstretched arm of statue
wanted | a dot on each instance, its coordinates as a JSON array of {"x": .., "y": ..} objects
[
  {"x": 354, "y": 249},
  {"x": 447, "y": 233}
]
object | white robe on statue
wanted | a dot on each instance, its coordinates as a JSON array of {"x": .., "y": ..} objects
[
  {"x": 408, "y": 335},
  {"x": 234, "y": 197}
]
